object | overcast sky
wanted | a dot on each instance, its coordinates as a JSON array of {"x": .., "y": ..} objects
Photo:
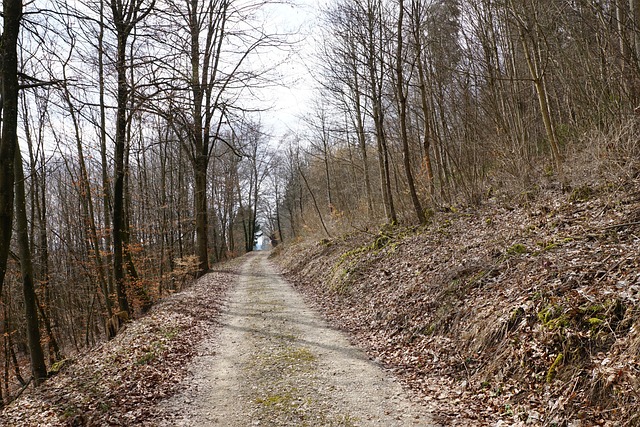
[{"x": 295, "y": 96}]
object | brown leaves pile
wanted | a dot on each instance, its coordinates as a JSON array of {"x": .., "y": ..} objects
[
  {"x": 518, "y": 313},
  {"x": 118, "y": 382}
]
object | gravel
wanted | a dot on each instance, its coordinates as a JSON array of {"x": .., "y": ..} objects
[{"x": 275, "y": 362}]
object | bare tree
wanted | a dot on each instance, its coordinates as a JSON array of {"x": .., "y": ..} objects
[
  {"x": 401, "y": 95},
  {"x": 38, "y": 366},
  {"x": 218, "y": 73},
  {"x": 125, "y": 17},
  {"x": 532, "y": 39}
]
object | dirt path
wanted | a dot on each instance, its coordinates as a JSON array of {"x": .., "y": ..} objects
[{"x": 276, "y": 363}]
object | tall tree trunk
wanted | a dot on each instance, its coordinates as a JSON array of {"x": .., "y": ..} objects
[
  {"x": 200, "y": 155},
  {"x": 106, "y": 185},
  {"x": 12, "y": 16},
  {"x": 402, "y": 105},
  {"x": 529, "y": 30},
  {"x": 38, "y": 366},
  {"x": 119, "y": 171},
  {"x": 378, "y": 113},
  {"x": 39, "y": 213},
  {"x": 125, "y": 16},
  {"x": 424, "y": 96},
  {"x": 362, "y": 143}
]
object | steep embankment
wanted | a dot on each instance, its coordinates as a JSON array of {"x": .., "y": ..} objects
[
  {"x": 521, "y": 311},
  {"x": 117, "y": 383}
]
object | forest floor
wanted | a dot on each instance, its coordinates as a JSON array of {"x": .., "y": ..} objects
[
  {"x": 238, "y": 348},
  {"x": 521, "y": 311}
]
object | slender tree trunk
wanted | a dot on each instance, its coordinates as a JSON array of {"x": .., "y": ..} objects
[
  {"x": 622, "y": 18},
  {"x": 38, "y": 366},
  {"x": 280, "y": 236},
  {"x": 634, "y": 9},
  {"x": 54, "y": 349},
  {"x": 362, "y": 144},
  {"x": 378, "y": 112},
  {"x": 543, "y": 100},
  {"x": 424, "y": 96},
  {"x": 529, "y": 39},
  {"x": 325, "y": 161},
  {"x": 402, "y": 104},
  {"x": 87, "y": 205},
  {"x": 383, "y": 158},
  {"x": 106, "y": 185},
  {"x": 10, "y": 354},
  {"x": 39, "y": 211},
  {"x": 315, "y": 203}
]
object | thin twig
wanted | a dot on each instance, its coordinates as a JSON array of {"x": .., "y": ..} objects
[
  {"x": 24, "y": 387},
  {"x": 626, "y": 224}
]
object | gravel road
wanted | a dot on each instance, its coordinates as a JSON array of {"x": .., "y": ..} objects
[{"x": 275, "y": 362}]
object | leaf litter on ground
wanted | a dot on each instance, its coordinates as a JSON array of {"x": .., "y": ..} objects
[
  {"x": 511, "y": 313},
  {"x": 117, "y": 383}
]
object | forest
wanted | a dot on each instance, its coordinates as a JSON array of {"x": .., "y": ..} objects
[{"x": 133, "y": 156}]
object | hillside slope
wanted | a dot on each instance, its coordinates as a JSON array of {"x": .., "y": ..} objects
[
  {"x": 525, "y": 311},
  {"x": 118, "y": 382}
]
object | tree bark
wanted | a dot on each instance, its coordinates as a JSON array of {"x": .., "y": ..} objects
[
  {"x": 39, "y": 211},
  {"x": 38, "y": 366},
  {"x": 529, "y": 37},
  {"x": 362, "y": 143},
  {"x": 119, "y": 171},
  {"x": 12, "y": 16},
  {"x": 378, "y": 112},
  {"x": 424, "y": 96},
  {"x": 402, "y": 105},
  {"x": 125, "y": 16},
  {"x": 106, "y": 186}
]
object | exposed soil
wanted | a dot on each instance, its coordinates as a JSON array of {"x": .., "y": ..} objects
[{"x": 277, "y": 363}]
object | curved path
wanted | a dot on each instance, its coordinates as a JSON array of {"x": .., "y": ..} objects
[{"x": 275, "y": 362}]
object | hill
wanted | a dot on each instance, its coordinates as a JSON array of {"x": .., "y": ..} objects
[
  {"x": 524, "y": 309},
  {"x": 119, "y": 382}
]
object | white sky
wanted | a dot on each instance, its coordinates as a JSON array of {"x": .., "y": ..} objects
[{"x": 294, "y": 98}]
